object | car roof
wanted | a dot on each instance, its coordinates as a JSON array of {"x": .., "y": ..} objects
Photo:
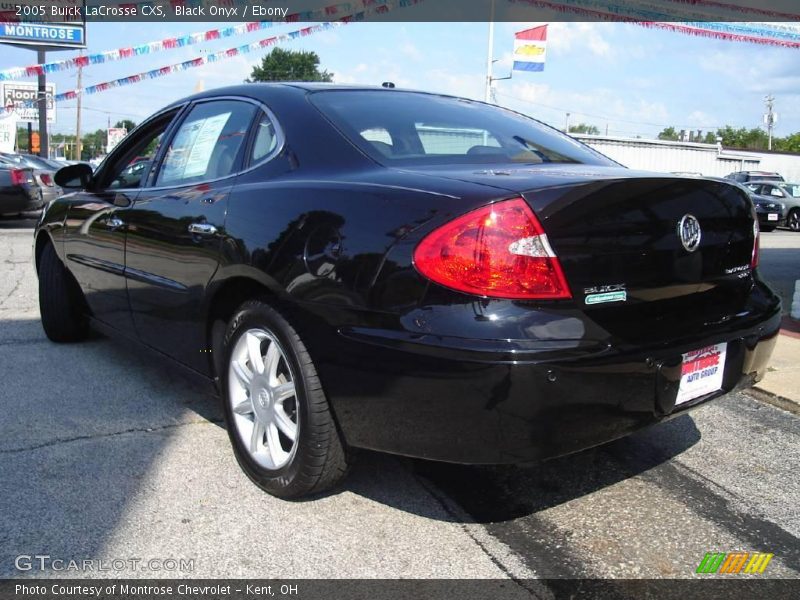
[{"x": 262, "y": 90}]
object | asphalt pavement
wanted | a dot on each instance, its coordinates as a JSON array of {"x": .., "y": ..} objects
[{"x": 108, "y": 453}]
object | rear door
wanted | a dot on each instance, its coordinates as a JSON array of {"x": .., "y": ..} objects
[
  {"x": 175, "y": 227},
  {"x": 94, "y": 243}
]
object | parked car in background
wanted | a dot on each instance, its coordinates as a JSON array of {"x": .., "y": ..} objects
[
  {"x": 770, "y": 212},
  {"x": 746, "y": 176},
  {"x": 786, "y": 193},
  {"x": 43, "y": 173},
  {"x": 350, "y": 279},
  {"x": 19, "y": 192}
]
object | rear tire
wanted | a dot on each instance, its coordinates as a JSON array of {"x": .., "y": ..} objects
[
  {"x": 279, "y": 421},
  {"x": 793, "y": 221},
  {"x": 61, "y": 302}
]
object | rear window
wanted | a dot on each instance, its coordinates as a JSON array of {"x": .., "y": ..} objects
[{"x": 418, "y": 129}]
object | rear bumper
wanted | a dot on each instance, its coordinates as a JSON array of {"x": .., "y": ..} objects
[
  {"x": 20, "y": 199},
  {"x": 437, "y": 399},
  {"x": 50, "y": 193}
]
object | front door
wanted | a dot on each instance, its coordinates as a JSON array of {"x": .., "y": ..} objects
[
  {"x": 94, "y": 244},
  {"x": 175, "y": 228}
]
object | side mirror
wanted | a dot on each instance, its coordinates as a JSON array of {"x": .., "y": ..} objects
[{"x": 74, "y": 177}]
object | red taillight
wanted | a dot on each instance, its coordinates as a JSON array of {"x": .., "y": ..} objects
[
  {"x": 499, "y": 251},
  {"x": 46, "y": 179},
  {"x": 756, "y": 244},
  {"x": 18, "y": 177}
]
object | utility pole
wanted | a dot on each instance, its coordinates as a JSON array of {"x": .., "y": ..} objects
[
  {"x": 770, "y": 118},
  {"x": 489, "y": 59},
  {"x": 78, "y": 120},
  {"x": 41, "y": 96},
  {"x": 566, "y": 124}
]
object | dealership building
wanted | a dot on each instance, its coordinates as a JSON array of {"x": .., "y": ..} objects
[{"x": 691, "y": 157}]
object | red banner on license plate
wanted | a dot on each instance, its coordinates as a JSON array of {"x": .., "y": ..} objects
[{"x": 701, "y": 372}]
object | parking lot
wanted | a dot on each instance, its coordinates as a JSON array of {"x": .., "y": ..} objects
[{"x": 106, "y": 453}]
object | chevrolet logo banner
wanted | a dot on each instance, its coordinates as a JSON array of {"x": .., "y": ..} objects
[{"x": 530, "y": 49}]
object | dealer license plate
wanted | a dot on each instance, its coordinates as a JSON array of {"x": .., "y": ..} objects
[
  {"x": 701, "y": 372},
  {"x": 772, "y": 217}
]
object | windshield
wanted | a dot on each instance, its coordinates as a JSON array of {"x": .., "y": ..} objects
[
  {"x": 407, "y": 128},
  {"x": 793, "y": 189}
]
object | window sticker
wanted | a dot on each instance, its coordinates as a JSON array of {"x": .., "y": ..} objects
[{"x": 190, "y": 153}]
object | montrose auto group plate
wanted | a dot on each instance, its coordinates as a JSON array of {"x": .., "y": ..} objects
[{"x": 701, "y": 372}]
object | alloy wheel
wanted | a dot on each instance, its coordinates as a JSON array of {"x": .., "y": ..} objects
[
  {"x": 263, "y": 400},
  {"x": 794, "y": 220}
]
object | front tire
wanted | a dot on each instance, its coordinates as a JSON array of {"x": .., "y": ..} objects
[
  {"x": 61, "y": 302},
  {"x": 793, "y": 221},
  {"x": 279, "y": 422}
]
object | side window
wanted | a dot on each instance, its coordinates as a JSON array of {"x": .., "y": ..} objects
[
  {"x": 775, "y": 192},
  {"x": 265, "y": 140},
  {"x": 380, "y": 138},
  {"x": 137, "y": 154},
  {"x": 208, "y": 144}
]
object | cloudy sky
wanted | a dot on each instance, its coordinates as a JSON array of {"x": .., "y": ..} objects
[{"x": 628, "y": 79}]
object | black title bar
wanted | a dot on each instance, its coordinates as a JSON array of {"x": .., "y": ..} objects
[{"x": 79, "y": 11}]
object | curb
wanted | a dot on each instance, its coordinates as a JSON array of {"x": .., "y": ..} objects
[
  {"x": 774, "y": 400},
  {"x": 790, "y": 327}
]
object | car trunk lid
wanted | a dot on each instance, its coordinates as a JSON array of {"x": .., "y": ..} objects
[{"x": 624, "y": 241}]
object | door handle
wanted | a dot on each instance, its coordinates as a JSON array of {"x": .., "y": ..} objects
[
  {"x": 114, "y": 223},
  {"x": 202, "y": 229}
]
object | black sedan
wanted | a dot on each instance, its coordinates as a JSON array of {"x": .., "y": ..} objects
[
  {"x": 771, "y": 213},
  {"x": 18, "y": 190},
  {"x": 406, "y": 272}
]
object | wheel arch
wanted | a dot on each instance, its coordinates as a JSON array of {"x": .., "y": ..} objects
[
  {"x": 224, "y": 296},
  {"x": 43, "y": 238}
]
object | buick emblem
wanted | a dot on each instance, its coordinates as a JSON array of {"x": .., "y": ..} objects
[{"x": 689, "y": 232}]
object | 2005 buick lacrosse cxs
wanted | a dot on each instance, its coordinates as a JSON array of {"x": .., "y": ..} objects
[{"x": 406, "y": 272}]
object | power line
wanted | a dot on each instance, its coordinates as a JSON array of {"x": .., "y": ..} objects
[{"x": 572, "y": 111}]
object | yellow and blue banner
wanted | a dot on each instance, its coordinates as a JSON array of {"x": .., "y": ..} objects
[{"x": 530, "y": 49}]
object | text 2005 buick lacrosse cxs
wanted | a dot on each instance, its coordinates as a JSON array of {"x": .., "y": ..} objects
[{"x": 406, "y": 272}]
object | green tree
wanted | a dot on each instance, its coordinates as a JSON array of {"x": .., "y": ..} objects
[
  {"x": 289, "y": 65},
  {"x": 711, "y": 137},
  {"x": 791, "y": 143},
  {"x": 22, "y": 139},
  {"x": 125, "y": 124},
  {"x": 746, "y": 139},
  {"x": 93, "y": 144},
  {"x": 669, "y": 133},
  {"x": 584, "y": 128}
]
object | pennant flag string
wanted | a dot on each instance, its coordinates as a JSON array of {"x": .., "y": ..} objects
[
  {"x": 196, "y": 62},
  {"x": 322, "y": 14},
  {"x": 772, "y": 14},
  {"x": 783, "y": 35},
  {"x": 654, "y": 10},
  {"x": 123, "y": 53}
]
